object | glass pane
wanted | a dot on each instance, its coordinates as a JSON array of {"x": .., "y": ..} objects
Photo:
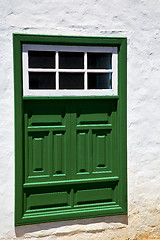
[
  {"x": 99, "y": 60},
  {"x": 99, "y": 80},
  {"x": 71, "y": 81},
  {"x": 41, "y": 59},
  {"x": 71, "y": 60},
  {"x": 41, "y": 80}
]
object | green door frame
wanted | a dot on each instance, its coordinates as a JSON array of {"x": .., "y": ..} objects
[{"x": 121, "y": 43}]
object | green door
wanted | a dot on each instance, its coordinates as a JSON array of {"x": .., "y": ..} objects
[
  {"x": 70, "y": 127},
  {"x": 70, "y": 157}
]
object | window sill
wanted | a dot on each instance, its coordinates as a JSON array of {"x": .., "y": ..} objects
[{"x": 68, "y": 97}]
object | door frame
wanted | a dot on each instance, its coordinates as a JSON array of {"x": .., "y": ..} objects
[{"x": 18, "y": 40}]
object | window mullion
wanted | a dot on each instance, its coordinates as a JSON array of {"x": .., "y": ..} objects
[
  {"x": 99, "y": 70},
  {"x": 41, "y": 70},
  {"x": 57, "y": 73},
  {"x": 25, "y": 70},
  {"x": 114, "y": 73},
  {"x": 71, "y": 70},
  {"x": 85, "y": 69}
]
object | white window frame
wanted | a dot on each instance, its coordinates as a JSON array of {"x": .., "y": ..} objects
[{"x": 66, "y": 92}]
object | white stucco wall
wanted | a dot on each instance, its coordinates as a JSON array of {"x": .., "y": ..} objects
[{"x": 137, "y": 20}]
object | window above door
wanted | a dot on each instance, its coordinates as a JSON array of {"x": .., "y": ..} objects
[{"x": 52, "y": 70}]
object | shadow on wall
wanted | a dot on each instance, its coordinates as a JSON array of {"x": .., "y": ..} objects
[{"x": 80, "y": 225}]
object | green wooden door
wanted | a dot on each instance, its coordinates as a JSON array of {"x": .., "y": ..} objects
[
  {"x": 70, "y": 155},
  {"x": 70, "y": 151}
]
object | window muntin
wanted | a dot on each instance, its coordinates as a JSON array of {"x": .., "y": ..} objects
[{"x": 50, "y": 70}]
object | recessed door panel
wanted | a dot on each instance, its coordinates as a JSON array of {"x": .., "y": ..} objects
[
  {"x": 91, "y": 196},
  {"x": 47, "y": 200},
  {"x": 59, "y": 157},
  {"x": 38, "y": 154},
  {"x": 102, "y": 150},
  {"x": 82, "y": 155}
]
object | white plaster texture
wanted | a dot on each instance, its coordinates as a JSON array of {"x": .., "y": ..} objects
[{"x": 138, "y": 21}]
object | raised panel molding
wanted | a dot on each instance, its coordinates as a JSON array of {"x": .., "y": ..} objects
[
  {"x": 45, "y": 120},
  {"x": 90, "y": 196},
  {"x": 82, "y": 151},
  {"x": 43, "y": 201},
  {"x": 59, "y": 152},
  {"x": 38, "y": 154},
  {"x": 102, "y": 150}
]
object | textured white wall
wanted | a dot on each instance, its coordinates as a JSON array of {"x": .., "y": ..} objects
[{"x": 138, "y": 21}]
